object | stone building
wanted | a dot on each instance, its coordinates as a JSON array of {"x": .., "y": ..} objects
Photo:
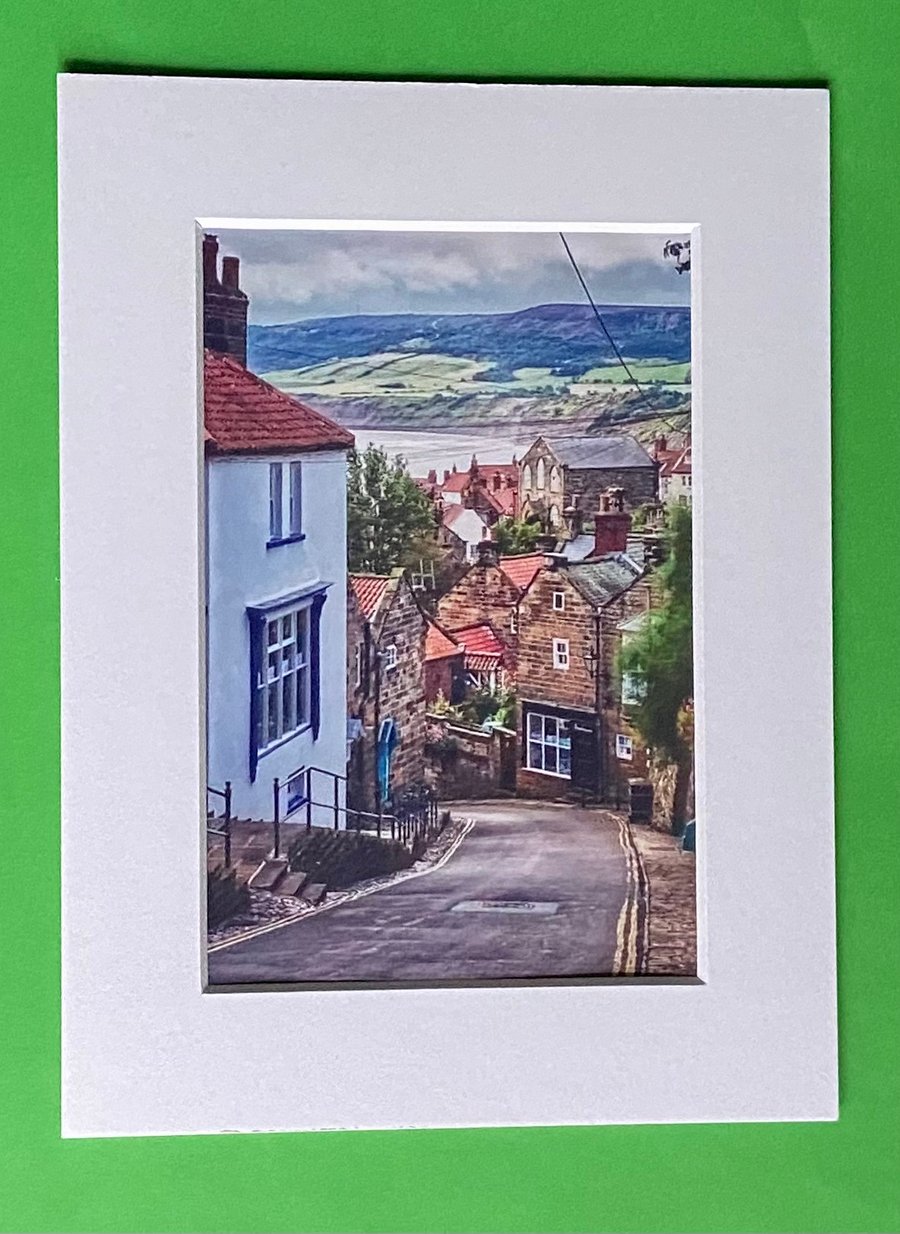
[
  {"x": 574, "y": 734},
  {"x": 386, "y": 634},
  {"x": 561, "y": 481},
  {"x": 444, "y": 665},
  {"x": 487, "y": 597},
  {"x": 675, "y": 470}
]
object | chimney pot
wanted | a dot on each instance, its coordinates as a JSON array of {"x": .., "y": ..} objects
[
  {"x": 210, "y": 261},
  {"x": 231, "y": 273},
  {"x": 612, "y": 524}
]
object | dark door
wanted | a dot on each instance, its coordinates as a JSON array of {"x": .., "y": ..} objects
[{"x": 585, "y": 772}]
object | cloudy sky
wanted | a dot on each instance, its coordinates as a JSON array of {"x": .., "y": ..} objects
[{"x": 290, "y": 275}]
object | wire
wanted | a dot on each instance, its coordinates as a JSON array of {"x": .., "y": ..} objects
[{"x": 637, "y": 385}]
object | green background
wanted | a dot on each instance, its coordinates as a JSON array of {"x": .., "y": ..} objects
[{"x": 790, "y": 1177}]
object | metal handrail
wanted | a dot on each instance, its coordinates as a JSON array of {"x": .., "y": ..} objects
[{"x": 225, "y": 794}]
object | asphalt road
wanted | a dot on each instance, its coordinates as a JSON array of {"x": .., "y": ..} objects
[{"x": 520, "y": 854}]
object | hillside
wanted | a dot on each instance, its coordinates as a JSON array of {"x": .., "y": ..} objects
[{"x": 565, "y": 339}]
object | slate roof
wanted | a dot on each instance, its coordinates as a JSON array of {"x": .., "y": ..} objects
[
  {"x": 600, "y": 452},
  {"x": 603, "y": 579},
  {"x": 521, "y": 569},
  {"x": 578, "y": 547},
  {"x": 369, "y": 590},
  {"x": 245, "y": 415}
]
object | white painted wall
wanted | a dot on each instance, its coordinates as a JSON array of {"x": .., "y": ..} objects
[{"x": 242, "y": 572}]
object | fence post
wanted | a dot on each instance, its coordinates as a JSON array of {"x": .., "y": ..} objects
[
  {"x": 227, "y": 824},
  {"x": 308, "y": 798},
  {"x": 337, "y": 806},
  {"x": 276, "y": 794}
]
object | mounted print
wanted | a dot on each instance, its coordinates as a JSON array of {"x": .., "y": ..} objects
[
  {"x": 449, "y": 649},
  {"x": 446, "y": 670}
]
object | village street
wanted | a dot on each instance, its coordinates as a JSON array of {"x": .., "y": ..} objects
[{"x": 533, "y": 890}]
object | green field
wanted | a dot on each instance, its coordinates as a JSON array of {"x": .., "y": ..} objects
[
  {"x": 403, "y": 374},
  {"x": 644, "y": 371}
]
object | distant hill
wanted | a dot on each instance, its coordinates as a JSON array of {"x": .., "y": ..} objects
[{"x": 564, "y": 339}]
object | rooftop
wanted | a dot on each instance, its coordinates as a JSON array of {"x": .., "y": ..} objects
[
  {"x": 438, "y": 643},
  {"x": 245, "y": 415},
  {"x": 369, "y": 590},
  {"x": 521, "y": 569},
  {"x": 604, "y": 579},
  {"x": 600, "y": 452}
]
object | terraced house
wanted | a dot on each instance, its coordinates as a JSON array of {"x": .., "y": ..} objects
[
  {"x": 386, "y": 632},
  {"x": 573, "y": 730}
]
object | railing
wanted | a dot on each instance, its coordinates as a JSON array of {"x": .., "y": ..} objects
[
  {"x": 225, "y": 830},
  {"x": 413, "y": 816}
]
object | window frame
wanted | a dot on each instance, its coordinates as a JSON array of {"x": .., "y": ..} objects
[
  {"x": 561, "y": 597},
  {"x": 562, "y": 656},
  {"x": 562, "y": 740},
  {"x": 285, "y": 502},
  {"x": 299, "y": 672},
  {"x": 389, "y": 657}
]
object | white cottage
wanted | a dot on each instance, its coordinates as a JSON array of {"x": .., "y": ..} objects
[{"x": 276, "y": 519}]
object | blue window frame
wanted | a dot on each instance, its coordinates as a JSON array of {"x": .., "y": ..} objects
[{"x": 285, "y": 690}]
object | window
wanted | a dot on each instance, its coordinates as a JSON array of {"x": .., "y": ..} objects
[
  {"x": 561, "y": 653},
  {"x": 296, "y": 791},
  {"x": 526, "y": 476},
  {"x": 295, "y": 520},
  {"x": 358, "y": 662},
  {"x": 633, "y": 689},
  {"x": 559, "y": 601},
  {"x": 282, "y": 684},
  {"x": 389, "y": 656},
  {"x": 624, "y": 748},
  {"x": 514, "y": 621},
  {"x": 541, "y": 477},
  {"x": 275, "y": 486},
  {"x": 554, "y": 516},
  {"x": 555, "y": 480},
  {"x": 285, "y": 502},
  {"x": 549, "y": 745}
]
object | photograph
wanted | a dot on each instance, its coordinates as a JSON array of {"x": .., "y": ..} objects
[{"x": 449, "y": 667}]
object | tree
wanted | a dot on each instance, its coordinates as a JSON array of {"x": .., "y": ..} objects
[
  {"x": 513, "y": 535},
  {"x": 390, "y": 520},
  {"x": 661, "y": 656}
]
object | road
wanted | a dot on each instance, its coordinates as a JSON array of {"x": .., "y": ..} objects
[{"x": 561, "y": 877}]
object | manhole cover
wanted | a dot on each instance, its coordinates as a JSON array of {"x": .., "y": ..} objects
[{"x": 544, "y": 908}]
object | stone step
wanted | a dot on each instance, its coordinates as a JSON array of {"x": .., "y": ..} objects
[
  {"x": 269, "y": 875},
  {"x": 293, "y": 883}
]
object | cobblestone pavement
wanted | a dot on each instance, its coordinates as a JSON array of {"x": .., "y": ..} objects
[{"x": 671, "y": 875}]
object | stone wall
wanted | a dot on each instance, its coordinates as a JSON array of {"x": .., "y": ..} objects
[
  {"x": 466, "y": 763},
  {"x": 398, "y": 622},
  {"x": 585, "y": 486},
  {"x": 483, "y": 594}
]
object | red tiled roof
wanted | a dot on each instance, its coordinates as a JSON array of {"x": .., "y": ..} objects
[
  {"x": 503, "y": 501},
  {"x": 244, "y": 414},
  {"x": 521, "y": 569},
  {"x": 439, "y": 644},
  {"x": 369, "y": 590},
  {"x": 675, "y": 462},
  {"x": 480, "y": 640},
  {"x": 455, "y": 482}
]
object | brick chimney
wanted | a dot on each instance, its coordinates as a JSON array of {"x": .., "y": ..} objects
[
  {"x": 224, "y": 304},
  {"x": 487, "y": 553},
  {"x": 611, "y": 524}
]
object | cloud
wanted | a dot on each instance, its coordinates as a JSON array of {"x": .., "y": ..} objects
[{"x": 319, "y": 273}]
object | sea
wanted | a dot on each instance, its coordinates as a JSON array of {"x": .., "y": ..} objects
[{"x": 443, "y": 451}]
